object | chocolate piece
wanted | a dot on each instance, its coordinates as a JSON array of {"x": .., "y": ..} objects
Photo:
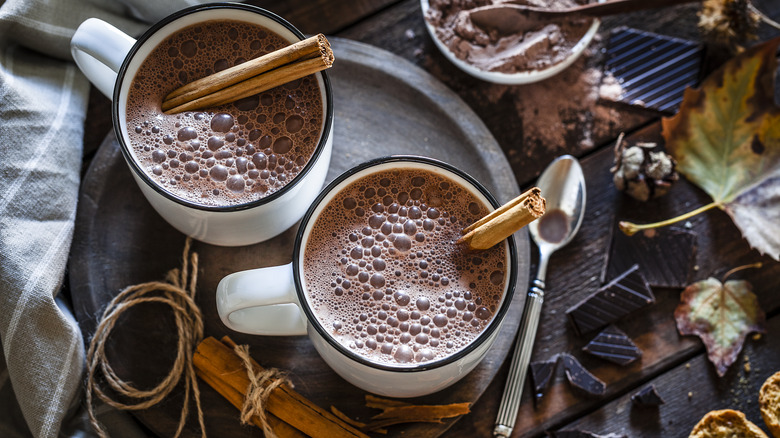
[
  {"x": 666, "y": 255},
  {"x": 580, "y": 434},
  {"x": 541, "y": 375},
  {"x": 579, "y": 377},
  {"x": 647, "y": 397},
  {"x": 626, "y": 293},
  {"x": 613, "y": 345},
  {"x": 649, "y": 70}
]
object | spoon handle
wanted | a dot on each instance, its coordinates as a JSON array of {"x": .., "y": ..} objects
[
  {"x": 518, "y": 369},
  {"x": 613, "y": 7}
]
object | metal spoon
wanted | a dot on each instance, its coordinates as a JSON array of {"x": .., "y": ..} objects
[
  {"x": 510, "y": 18},
  {"x": 563, "y": 186}
]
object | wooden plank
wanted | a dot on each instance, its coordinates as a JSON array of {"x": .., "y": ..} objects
[
  {"x": 323, "y": 16},
  {"x": 574, "y": 273},
  {"x": 690, "y": 390}
]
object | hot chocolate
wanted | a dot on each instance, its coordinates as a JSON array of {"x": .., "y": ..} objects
[
  {"x": 231, "y": 154},
  {"x": 383, "y": 273}
]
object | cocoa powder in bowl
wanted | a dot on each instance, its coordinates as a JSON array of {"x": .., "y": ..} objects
[{"x": 545, "y": 45}]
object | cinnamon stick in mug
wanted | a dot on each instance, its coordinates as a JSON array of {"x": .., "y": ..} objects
[
  {"x": 504, "y": 221},
  {"x": 254, "y": 76}
]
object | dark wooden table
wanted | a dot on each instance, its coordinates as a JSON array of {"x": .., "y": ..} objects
[{"x": 584, "y": 127}]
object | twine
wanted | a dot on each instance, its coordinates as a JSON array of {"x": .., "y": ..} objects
[
  {"x": 261, "y": 385},
  {"x": 178, "y": 292}
]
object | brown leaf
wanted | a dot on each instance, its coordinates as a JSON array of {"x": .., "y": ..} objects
[
  {"x": 722, "y": 315},
  {"x": 726, "y": 140}
]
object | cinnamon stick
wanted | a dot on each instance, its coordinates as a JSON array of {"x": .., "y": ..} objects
[
  {"x": 254, "y": 76},
  {"x": 218, "y": 361},
  {"x": 501, "y": 223},
  {"x": 280, "y": 428},
  {"x": 416, "y": 414}
]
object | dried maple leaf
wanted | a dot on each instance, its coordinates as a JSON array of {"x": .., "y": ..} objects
[
  {"x": 726, "y": 140},
  {"x": 722, "y": 315}
]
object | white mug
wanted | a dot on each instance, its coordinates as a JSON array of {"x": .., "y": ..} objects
[
  {"x": 110, "y": 59},
  {"x": 273, "y": 301}
]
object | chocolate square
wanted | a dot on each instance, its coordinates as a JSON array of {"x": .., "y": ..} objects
[
  {"x": 613, "y": 345},
  {"x": 647, "y": 397},
  {"x": 623, "y": 295},
  {"x": 666, "y": 255},
  {"x": 541, "y": 375},
  {"x": 581, "y": 378},
  {"x": 648, "y": 70}
]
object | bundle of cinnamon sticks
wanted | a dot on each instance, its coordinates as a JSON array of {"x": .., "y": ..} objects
[{"x": 290, "y": 415}]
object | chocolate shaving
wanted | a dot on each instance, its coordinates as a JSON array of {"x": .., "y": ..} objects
[
  {"x": 647, "y": 397},
  {"x": 613, "y": 345},
  {"x": 666, "y": 255},
  {"x": 580, "y": 378},
  {"x": 541, "y": 375},
  {"x": 623, "y": 295}
]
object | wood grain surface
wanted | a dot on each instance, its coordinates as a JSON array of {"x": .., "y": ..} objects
[
  {"x": 383, "y": 106},
  {"x": 397, "y": 26}
]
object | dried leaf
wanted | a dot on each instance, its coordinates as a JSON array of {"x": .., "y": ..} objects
[
  {"x": 722, "y": 315},
  {"x": 726, "y": 140}
]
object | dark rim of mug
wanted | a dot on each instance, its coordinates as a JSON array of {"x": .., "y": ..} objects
[
  {"x": 327, "y": 122},
  {"x": 492, "y": 326}
]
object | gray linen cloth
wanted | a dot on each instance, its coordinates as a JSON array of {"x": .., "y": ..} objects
[{"x": 43, "y": 102}]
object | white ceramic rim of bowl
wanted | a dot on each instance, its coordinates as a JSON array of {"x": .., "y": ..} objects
[{"x": 526, "y": 77}]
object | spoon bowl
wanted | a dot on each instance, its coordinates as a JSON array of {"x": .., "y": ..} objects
[{"x": 563, "y": 186}]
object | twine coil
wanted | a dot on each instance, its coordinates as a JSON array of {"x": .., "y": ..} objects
[{"x": 177, "y": 292}]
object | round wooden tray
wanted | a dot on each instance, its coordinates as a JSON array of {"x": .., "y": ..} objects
[{"x": 384, "y": 105}]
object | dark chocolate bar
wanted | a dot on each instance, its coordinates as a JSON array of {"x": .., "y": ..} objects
[
  {"x": 666, "y": 255},
  {"x": 623, "y": 295},
  {"x": 648, "y": 70},
  {"x": 579, "y": 377},
  {"x": 613, "y": 345},
  {"x": 541, "y": 375},
  {"x": 647, "y": 397}
]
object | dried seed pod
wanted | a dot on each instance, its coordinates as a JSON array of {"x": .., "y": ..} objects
[
  {"x": 728, "y": 24},
  {"x": 641, "y": 171}
]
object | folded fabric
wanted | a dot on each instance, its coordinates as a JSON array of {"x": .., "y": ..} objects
[{"x": 43, "y": 103}]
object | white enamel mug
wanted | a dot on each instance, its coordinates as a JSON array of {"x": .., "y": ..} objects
[
  {"x": 273, "y": 301},
  {"x": 110, "y": 60}
]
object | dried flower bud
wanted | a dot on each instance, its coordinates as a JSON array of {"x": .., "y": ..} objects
[
  {"x": 728, "y": 23},
  {"x": 642, "y": 172}
]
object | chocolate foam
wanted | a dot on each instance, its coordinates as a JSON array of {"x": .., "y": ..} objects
[
  {"x": 231, "y": 154},
  {"x": 383, "y": 273}
]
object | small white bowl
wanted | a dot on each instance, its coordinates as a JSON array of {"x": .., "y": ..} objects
[{"x": 525, "y": 77}]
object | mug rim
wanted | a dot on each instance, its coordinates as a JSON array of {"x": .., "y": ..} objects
[
  {"x": 318, "y": 150},
  {"x": 311, "y": 318}
]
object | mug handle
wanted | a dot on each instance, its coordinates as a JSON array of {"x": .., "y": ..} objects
[
  {"x": 261, "y": 302},
  {"x": 99, "y": 50}
]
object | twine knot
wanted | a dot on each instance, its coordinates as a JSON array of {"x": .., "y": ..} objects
[
  {"x": 261, "y": 385},
  {"x": 177, "y": 292}
]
